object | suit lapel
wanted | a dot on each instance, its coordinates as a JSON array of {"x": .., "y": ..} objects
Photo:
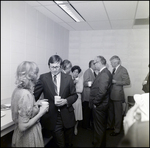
[
  {"x": 62, "y": 83},
  {"x": 51, "y": 84},
  {"x": 118, "y": 69},
  {"x": 92, "y": 74}
]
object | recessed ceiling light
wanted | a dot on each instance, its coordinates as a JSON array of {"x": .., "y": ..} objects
[{"x": 70, "y": 10}]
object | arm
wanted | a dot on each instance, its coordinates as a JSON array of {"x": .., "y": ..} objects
[
  {"x": 86, "y": 78},
  {"x": 125, "y": 80},
  {"x": 73, "y": 95},
  {"x": 26, "y": 108},
  {"x": 38, "y": 89},
  {"x": 102, "y": 88}
]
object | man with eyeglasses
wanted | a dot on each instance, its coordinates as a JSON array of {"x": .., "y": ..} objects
[
  {"x": 99, "y": 98},
  {"x": 60, "y": 118}
]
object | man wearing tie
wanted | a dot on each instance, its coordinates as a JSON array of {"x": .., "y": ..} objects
[
  {"x": 115, "y": 111},
  {"x": 99, "y": 99},
  {"x": 60, "y": 118}
]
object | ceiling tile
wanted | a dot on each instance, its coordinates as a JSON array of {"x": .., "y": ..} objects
[
  {"x": 44, "y": 3},
  {"x": 100, "y": 25},
  {"x": 33, "y": 3},
  {"x": 141, "y": 27},
  {"x": 72, "y": 2},
  {"x": 142, "y": 9},
  {"x": 80, "y": 26},
  {"x": 120, "y": 9},
  {"x": 122, "y": 24},
  {"x": 91, "y": 11},
  {"x": 99, "y": 15}
]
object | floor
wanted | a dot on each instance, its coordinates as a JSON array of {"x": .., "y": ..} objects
[{"x": 84, "y": 138}]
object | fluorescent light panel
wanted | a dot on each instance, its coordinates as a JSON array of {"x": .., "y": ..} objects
[{"x": 69, "y": 10}]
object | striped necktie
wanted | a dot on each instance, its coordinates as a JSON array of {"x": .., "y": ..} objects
[{"x": 55, "y": 83}]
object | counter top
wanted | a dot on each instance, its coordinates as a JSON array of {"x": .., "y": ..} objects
[
  {"x": 6, "y": 120},
  {"x": 7, "y": 124}
]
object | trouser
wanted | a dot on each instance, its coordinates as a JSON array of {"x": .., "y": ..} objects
[
  {"x": 99, "y": 118},
  {"x": 62, "y": 136},
  {"x": 87, "y": 115},
  {"x": 115, "y": 112}
]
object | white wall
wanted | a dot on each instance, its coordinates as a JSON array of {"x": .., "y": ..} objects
[
  {"x": 27, "y": 34},
  {"x": 132, "y": 46}
]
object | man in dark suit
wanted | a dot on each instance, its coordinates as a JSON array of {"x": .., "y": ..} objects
[
  {"x": 115, "y": 111},
  {"x": 99, "y": 98},
  {"x": 60, "y": 118},
  {"x": 88, "y": 79}
]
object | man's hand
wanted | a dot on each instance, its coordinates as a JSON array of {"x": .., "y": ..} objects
[
  {"x": 114, "y": 81},
  {"x": 61, "y": 102}
]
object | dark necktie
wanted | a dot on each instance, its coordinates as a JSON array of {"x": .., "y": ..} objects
[
  {"x": 95, "y": 74},
  {"x": 55, "y": 83},
  {"x": 113, "y": 72}
]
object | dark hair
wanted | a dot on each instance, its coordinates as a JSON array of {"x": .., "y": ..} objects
[
  {"x": 102, "y": 60},
  {"x": 65, "y": 64},
  {"x": 55, "y": 59},
  {"x": 90, "y": 63},
  {"x": 76, "y": 67}
]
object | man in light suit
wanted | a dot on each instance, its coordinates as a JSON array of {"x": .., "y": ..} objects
[
  {"x": 88, "y": 77},
  {"x": 99, "y": 99},
  {"x": 60, "y": 118},
  {"x": 120, "y": 79}
]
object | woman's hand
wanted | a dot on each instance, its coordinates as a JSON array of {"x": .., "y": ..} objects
[
  {"x": 44, "y": 107},
  {"x": 39, "y": 102}
]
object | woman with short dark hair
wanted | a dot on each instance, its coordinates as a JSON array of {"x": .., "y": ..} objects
[{"x": 78, "y": 81}]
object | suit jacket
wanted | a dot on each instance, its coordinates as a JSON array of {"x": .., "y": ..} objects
[
  {"x": 88, "y": 76},
  {"x": 122, "y": 78},
  {"x": 100, "y": 89},
  {"x": 67, "y": 91}
]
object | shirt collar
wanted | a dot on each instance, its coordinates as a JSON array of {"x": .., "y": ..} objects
[
  {"x": 102, "y": 68},
  {"x": 63, "y": 71},
  {"x": 56, "y": 75},
  {"x": 92, "y": 70},
  {"x": 117, "y": 67}
]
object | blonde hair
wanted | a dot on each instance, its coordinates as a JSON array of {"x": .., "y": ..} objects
[{"x": 26, "y": 73}]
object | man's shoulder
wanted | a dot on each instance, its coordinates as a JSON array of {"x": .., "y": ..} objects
[
  {"x": 45, "y": 74},
  {"x": 122, "y": 68},
  {"x": 65, "y": 75},
  {"x": 87, "y": 71}
]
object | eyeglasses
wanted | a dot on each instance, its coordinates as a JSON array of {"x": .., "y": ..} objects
[{"x": 54, "y": 67}]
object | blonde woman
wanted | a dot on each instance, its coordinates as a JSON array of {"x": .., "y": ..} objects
[{"x": 25, "y": 111}]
